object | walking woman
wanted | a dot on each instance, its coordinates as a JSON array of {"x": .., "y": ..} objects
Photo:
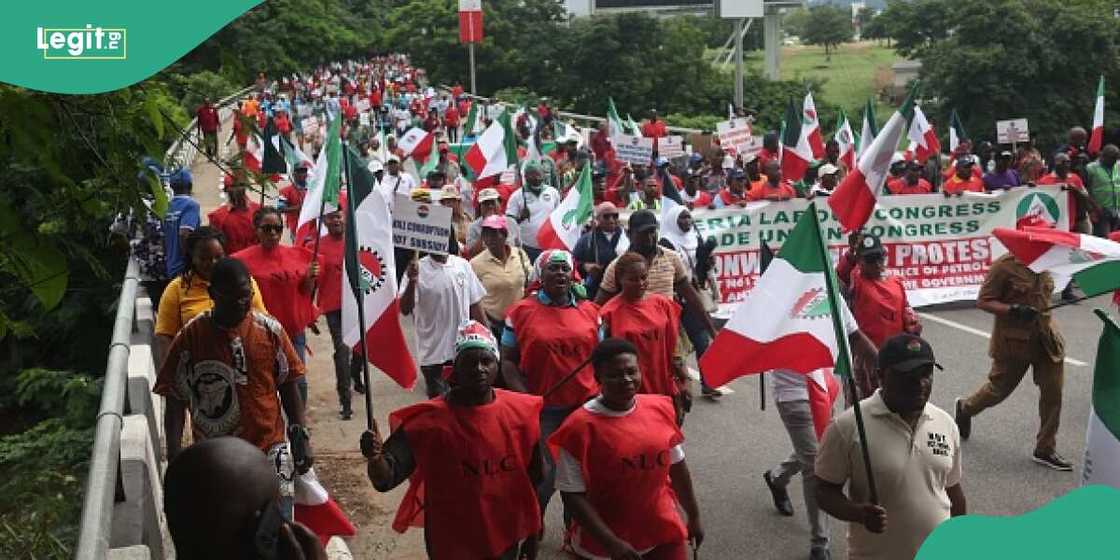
[
  {"x": 187, "y": 295},
  {"x": 548, "y": 336},
  {"x": 621, "y": 468},
  {"x": 473, "y": 457},
  {"x": 286, "y": 276},
  {"x": 651, "y": 322},
  {"x": 680, "y": 235}
]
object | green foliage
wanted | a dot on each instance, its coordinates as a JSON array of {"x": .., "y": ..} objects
[
  {"x": 191, "y": 89},
  {"x": 795, "y": 21},
  {"x": 286, "y": 36},
  {"x": 829, "y": 26},
  {"x": 965, "y": 64},
  {"x": 39, "y": 479}
]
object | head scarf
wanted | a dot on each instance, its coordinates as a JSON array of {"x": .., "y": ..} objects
[
  {"x": 473, "y": 334},
  {"x": 684, "y": 242},
  {"x": 578, "y": 291}
]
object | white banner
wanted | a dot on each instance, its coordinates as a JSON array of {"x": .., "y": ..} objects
[
  {"x": 421, "y": 226},
  {"x": 940, "y": 247}
]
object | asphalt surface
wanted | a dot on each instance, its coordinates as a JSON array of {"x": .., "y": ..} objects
[{"x": 731, "y": 442}]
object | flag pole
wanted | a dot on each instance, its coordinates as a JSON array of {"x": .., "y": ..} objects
[
  {"x": 844, "y": 357},
  {"x": 361, "y": 304}
]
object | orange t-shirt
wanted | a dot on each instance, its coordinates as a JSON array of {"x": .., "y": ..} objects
[
  {"x": 954, "y": 185},
  {"x": 900, "y": 186},
  {"x": 228, "y": 378},
  {"x": 763, "y": 191}
]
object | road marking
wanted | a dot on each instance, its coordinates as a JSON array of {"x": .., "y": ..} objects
[{"x": 978, "y": 332}]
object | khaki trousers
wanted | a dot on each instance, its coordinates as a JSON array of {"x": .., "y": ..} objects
[{"x": 1005, "y": 376}]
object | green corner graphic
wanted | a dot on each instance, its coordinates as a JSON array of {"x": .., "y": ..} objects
[
  {"x": 85, "y": 47},
  {"x": 1080, "y": 524}
]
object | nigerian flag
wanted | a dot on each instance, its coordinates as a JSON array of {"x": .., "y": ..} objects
[{"x": 1102, "y": 438}]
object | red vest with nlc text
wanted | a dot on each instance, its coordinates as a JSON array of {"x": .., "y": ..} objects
[
  {"x": 471, "y": 489},
  {"x": 553, "y": 341},
  {"x": 625, "y": 462}
]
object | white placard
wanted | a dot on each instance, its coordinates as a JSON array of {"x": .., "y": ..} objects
[
  {"x": 363, "y": 119},
  {"x": 670, "y": 146},
  {"x": 633, "y": 149},
  {"x": 421, "y": 226},
  {"x": 736, "y": 9},
  {"x": 737, "y": 133},
  {"x": 1012, "y": 130},
  {"x": 362, "y": 105}
]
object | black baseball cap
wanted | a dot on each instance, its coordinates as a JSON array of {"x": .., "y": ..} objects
[
  {"x": 906, "y": 353},
  {"x": 642, "y": 220},
  {"x": 871, "y": 245}
]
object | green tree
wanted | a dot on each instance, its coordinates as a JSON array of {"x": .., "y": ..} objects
[
  {"x": 917, "y": 24},
  {"x": 876, "y": 28},
  {"x": 1070, "y": 45},
  {"x": 829, "y": 26},
  {"x": 795, "y": 21}
]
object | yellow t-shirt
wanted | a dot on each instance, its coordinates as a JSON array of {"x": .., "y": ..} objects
[{"x": 180, "y": 303}]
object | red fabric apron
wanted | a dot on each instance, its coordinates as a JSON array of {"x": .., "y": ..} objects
[
  {"x": 625, "y": 463},
  {"x": 553, "y": 341},
  {"x": 653, "y": 325},
  {"x": 471, "y": 489}
]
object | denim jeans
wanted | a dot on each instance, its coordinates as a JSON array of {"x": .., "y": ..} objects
[{"x": 798, "y": 420}]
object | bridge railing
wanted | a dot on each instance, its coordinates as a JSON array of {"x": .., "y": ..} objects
[{"x": 122, "y": 509}]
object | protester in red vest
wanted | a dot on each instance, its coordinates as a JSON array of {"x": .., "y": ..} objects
[
  {"x": 654, "y": 128},
  {"x": 209, "y": 125},
  {"x": 451, "y": 122},
  {"x": 235, "y": 217},
  {"x": 472, "y": 457},
  {"x": 649, "y": 321},
  {"x": 285, "y": 275},
  {"x": 911, "y": 182},
  {"x": 292, "y": 196},
  {"x": 774, "y": 187},
  {"x": 621, "y": 468},
  {"x": 878, "y": 301},
  {"x": 347, "y": 363},
  {"x": 548, "y": 336}
]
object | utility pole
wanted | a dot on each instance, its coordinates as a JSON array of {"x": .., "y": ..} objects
[
  {"x": 772, "y": 38},
  {"x": 739, "y": 64}
]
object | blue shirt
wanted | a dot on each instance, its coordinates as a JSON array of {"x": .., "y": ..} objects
[
  {"x": 182, "y": 213},
  {"x": 996, "y": 180}
]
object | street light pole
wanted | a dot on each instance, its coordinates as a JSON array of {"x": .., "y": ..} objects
[{"x": 739, "y": 64}]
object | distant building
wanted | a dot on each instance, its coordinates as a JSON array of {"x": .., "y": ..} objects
[{"x": 905, "y": 71}]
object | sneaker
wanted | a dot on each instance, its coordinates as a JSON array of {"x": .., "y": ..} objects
[
  {"x": 1053, "y": 460},
  {"x": 964, "y": 421},
  {"x": 781, "y": 497},
  {"x": 359, "y": 388},
  {"x": 346, "y": 413},
  {"x": 710, "y": 392},
  {"x": 820, "y": 554}
]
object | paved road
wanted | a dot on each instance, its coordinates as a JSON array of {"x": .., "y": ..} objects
[{"x": 731, "y": 442}]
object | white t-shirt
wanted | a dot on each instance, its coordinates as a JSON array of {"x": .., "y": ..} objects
[
  {"x": 539, "y": 209},
  {"x": 569, "y": 472},
  {"x": 390, "y": 186},
  {"x": 444, "y": 295}
]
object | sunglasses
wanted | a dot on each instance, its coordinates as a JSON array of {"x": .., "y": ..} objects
[{"x": 270, "y": 228}]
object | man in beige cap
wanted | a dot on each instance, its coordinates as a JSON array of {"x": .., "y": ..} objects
[{"x": 489, "y": 204}]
